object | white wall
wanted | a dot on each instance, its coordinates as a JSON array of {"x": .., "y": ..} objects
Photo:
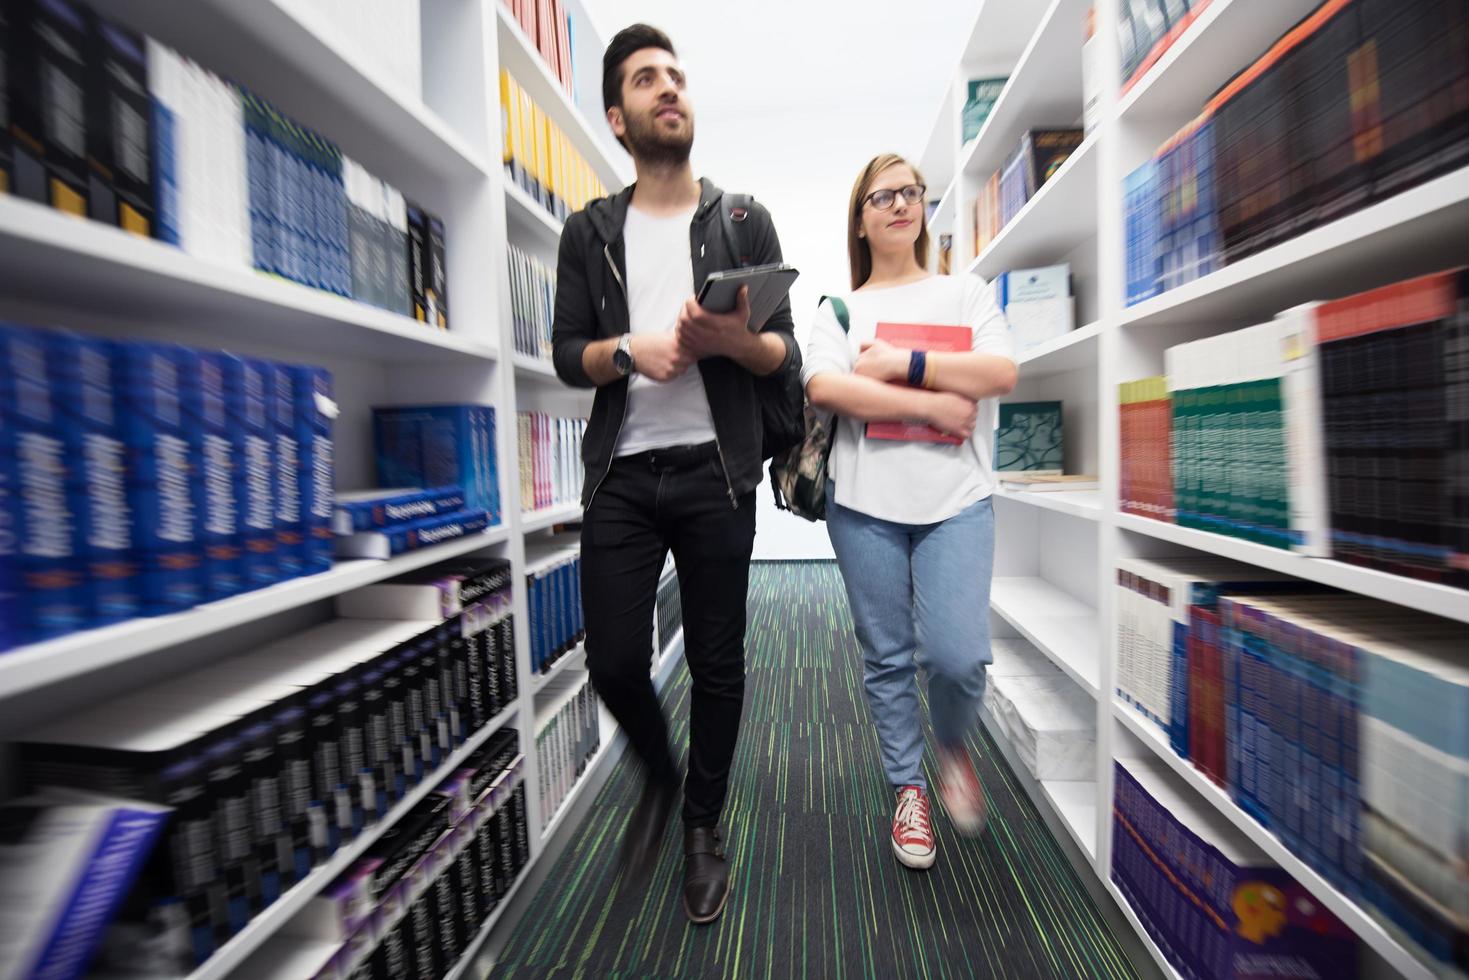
[{"x": 790, "y": 114}]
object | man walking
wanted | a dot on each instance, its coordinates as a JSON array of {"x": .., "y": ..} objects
[{"x": 673, "y": 446}]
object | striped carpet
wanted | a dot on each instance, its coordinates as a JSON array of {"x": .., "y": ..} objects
[{"x": 816, "y": 890}]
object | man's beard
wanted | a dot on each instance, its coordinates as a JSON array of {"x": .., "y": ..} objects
[{"x": 649, "y": 144}]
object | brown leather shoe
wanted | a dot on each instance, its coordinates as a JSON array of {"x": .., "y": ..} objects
[
  {"x": 646, "y": 828},
  {"x": 705, "y": 875}
]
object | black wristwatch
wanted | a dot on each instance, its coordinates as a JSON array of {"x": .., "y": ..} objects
[{"x": 622, "y": 356}]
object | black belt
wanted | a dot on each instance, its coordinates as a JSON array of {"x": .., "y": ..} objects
[{"x": 669, "y": 459}]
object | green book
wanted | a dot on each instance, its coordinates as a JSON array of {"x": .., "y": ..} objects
[
  {"x": 983, "y": 94},
  {"x": 1029, "y": 438}
]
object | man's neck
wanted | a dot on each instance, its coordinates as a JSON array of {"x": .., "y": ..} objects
[{"x": 665, "y": 189}]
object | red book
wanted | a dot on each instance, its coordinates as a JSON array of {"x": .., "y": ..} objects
[{"x": 924, "y": 337}]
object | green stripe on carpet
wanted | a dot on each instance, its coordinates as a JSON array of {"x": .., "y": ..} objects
[{"x": 816, "y": 891}]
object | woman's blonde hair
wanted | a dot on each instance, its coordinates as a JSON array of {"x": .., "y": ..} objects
[{"x": 859, "y": 253}]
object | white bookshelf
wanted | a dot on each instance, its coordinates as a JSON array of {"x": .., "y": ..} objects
[
  {"x": 1056, "y": 553},
  {"x": 442, "y": 148},
  {"x": 270, "y": 921}
]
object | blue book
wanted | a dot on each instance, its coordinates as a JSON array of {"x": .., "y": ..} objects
[
  {"x": 260, "y": 180},
  {"x": 1205, "y": 257},
  {"x": 436, "y": 445},
  {"x": 162, "y": 469},
  {"x": 48, "y": 564},
  {"x": 388, "y": 542},
  {"x": 249, "y": 427},
  {"x": 87, "y": 405},
  {"x": 1141, "y": 220},
  {"x": 366, "y": 510},
  {"x": 289, "y": 467},
  {"x": 221, "y": 528},
  {"x": 315, "y": 411},
  {"x": 73, "y": 859}
]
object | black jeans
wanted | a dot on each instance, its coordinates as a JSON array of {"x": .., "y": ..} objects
[{"x": 650, "y": 503}]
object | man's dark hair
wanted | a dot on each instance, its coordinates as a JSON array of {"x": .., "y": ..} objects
[{"x": 628, "y": 40}]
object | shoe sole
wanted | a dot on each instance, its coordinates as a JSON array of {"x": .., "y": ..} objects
[
  {"x": 915, "y": 861},
  {"x": 705, "y": 920}
]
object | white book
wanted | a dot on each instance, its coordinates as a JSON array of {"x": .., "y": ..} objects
[{"x": 1310, "y": 514}]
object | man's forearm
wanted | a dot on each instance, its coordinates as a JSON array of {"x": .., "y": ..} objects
[
  {"x": 764, "y": 355},
  {"x": 596, "y": 360}
]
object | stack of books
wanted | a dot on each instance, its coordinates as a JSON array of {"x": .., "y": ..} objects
[
  {"x": 553, "y": 600},
  {"x": 1247, "y": 436},
  {"x": 1147, "y": 29},
  {"x": 138, "y": 479},
  {"x": 568, "y": 735},
  {"x": 1146, "y": 427},
  {"x": 1392, "y": 387},
  {"x": 547, "y": 26},
  {"x": 416, "y": 901},
  {"x": 1038, "y": 304},
  {"x": 1304, "y": 135},
  {"x": 1212, "y": 900},
  {"x": 1320, "y": 715},
  {"x": 532, "y": 303},
  {"x": 1048, "y": 482},
  {"x": 437, "y": 465},
  {"x": 551, "y": 470},
  {"x": 1033, "y": 161},
  {"x": 1328, "y": 431},
  {"x": 271, "y": 760},
  {"x": 540, "y": 159},
  {"x": 162, "y": 147}
]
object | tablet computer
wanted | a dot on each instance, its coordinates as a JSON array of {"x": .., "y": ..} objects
[{"x": 768, "y": 286}]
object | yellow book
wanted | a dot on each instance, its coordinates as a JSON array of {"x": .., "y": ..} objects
[{"x": 507, "y": 153}]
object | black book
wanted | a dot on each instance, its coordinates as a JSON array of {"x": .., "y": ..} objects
[
  {"x": 48, "y": 103},
  {"x": 437, "y": 292},
  {"x": 119, "y": 128},
  {"x": 418, "y": 266}
]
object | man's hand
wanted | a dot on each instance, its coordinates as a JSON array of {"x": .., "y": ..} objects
[
  {"x": 659, "y": 356},
  {"x": 953, "y": 415},
  {"x": 882, "y": 361},
  {"x": 705, "y": 334}
]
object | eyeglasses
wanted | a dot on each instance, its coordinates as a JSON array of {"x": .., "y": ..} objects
[{"x": 884, "y": 199}]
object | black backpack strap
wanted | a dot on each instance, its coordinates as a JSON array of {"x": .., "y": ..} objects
[{"x": 734, "y": 213}]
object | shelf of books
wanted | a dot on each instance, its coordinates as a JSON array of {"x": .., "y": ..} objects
[
  {"x": 1261, "y": 610},
  {"x": 580, "y": 124},
  {"x": 1044, "y": 88},
  {"x": 1051, "y": 223},
  {"x": 284, "y": 910},
  {"x": 271, "y": 480},
  {"x": 1359, "y": 921},
  {"x": 114, "y": 276},
  {"x": 39, "y": 665}
]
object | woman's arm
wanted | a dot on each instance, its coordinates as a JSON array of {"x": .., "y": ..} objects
[
  {"x": 971, "y": 374},
  {"x": 867, "y": 400}
]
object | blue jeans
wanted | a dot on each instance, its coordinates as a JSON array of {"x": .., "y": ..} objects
[{"x": 919, "y": 593}]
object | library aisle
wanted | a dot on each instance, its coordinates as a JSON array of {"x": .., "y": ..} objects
[{"x": 816, "y": 892}]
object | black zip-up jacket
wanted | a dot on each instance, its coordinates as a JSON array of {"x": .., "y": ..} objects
[{"x": 591, "y": 304}]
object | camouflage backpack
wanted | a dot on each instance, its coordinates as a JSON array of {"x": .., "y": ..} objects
[{"x": 798, "y": 475}]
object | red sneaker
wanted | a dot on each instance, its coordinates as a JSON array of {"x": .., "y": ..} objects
[
  {"x": 913, "y": 841},
  {"x": 960, "y": 790}
]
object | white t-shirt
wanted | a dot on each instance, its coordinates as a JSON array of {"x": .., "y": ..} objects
[
  {"x": 910, "y": 482},
  {"x": 660, "y": 277}
]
